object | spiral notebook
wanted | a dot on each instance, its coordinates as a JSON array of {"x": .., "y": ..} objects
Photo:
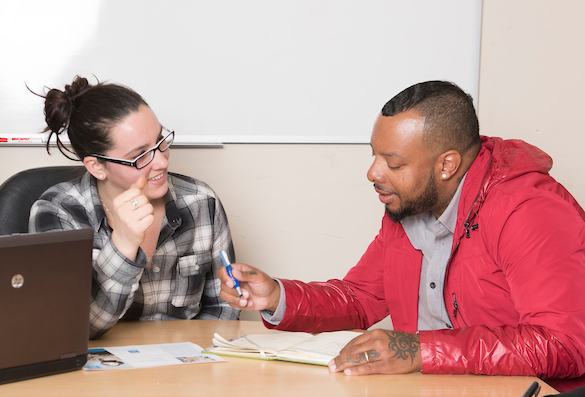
[{"x": 45, "y": 289}]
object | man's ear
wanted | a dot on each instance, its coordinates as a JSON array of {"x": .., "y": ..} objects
[
  {"x": 448, "y": 164},
  {"x": 94, "y": 167}
]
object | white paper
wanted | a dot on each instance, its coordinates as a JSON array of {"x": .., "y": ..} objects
[{"x": 142, "y": 356}]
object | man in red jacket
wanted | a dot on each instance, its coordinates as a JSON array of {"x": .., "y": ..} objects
[{"x": 480, "y": 261}]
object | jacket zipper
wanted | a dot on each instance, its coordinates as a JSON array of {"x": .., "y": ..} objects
[
  {"x": 456, "y": 309},
  {"x": 467, "y": 226}
]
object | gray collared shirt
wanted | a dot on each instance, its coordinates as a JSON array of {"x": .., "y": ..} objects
[{"x": 434, "y": 238}]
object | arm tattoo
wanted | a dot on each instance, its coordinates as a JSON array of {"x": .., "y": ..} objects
[{"x": 403, "y": 345}]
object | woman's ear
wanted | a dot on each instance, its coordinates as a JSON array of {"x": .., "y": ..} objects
[
  {"x": 95, "y": 167},
  {"x": 448, "y": 164}
]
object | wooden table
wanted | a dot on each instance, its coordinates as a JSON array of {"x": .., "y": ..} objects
[{"x": 246, "y": 377}]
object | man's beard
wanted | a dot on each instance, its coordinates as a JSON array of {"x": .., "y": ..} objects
[{"x": 422, "y": 203}]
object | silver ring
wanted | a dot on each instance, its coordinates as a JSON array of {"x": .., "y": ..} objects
[
  {"x": 134, "y": 203},
  {"x": 367, "y": 357}
]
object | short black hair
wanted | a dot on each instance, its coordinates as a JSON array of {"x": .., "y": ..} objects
[{"x": 450, "y": 118}]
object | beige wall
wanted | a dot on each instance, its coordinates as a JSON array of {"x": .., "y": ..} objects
[
  {"x": 531, "y": 80},
  {"x": 296, "y": 211},
  {"x": 308, "y": 212}
]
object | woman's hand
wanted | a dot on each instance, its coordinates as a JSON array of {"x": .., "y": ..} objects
[{"x": 132, "y": 215}]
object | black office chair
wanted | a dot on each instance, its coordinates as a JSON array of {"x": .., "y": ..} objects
[{"x": 20, "y": 191}]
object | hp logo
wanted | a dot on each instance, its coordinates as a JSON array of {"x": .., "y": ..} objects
[{"x": 17, "y": 281}]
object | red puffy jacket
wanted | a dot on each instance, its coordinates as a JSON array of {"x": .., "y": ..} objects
[{"x": 514, "y": 281}]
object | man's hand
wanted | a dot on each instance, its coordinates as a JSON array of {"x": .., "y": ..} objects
[
  {"x": 379, "y": 352},
  {"x": 259, "y": 291}
]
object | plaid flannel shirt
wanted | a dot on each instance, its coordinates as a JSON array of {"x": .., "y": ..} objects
[{"x": 181, "y": 283}]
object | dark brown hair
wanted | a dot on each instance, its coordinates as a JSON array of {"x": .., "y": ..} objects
[{"x": 87, "y": 113}]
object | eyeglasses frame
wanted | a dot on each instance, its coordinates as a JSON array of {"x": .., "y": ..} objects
[{"x": 132, "y": 163}]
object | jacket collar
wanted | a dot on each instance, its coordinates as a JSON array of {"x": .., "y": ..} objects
[{"x": 498, "y": 161}]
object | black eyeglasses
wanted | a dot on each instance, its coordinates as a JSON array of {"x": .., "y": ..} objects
[{"x": 145, "y": 158}]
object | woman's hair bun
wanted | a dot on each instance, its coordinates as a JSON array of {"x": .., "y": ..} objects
[
  {"x": 75, "y": 89},
  {"x": 59, "y": 105},
  {"x": 86, "y": 113}
]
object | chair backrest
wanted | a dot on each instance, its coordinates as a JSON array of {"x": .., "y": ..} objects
[{"x": 20, "y": 191}]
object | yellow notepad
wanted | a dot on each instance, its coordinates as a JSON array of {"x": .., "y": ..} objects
[{"x": 287, "y": 346}]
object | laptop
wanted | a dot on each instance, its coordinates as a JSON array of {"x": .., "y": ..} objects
[{"x": 45, "y": 290}]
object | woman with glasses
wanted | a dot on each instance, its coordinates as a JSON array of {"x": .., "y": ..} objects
[{"x": 157, "y": 236}]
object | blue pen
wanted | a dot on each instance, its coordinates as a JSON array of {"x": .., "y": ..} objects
[{"x": 228, "y": 267}]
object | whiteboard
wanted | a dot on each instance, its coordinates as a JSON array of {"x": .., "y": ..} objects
[{"x": 233, "y": 71}]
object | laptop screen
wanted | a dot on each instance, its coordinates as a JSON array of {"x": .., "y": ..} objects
[{"x": 45, "y": 290}]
